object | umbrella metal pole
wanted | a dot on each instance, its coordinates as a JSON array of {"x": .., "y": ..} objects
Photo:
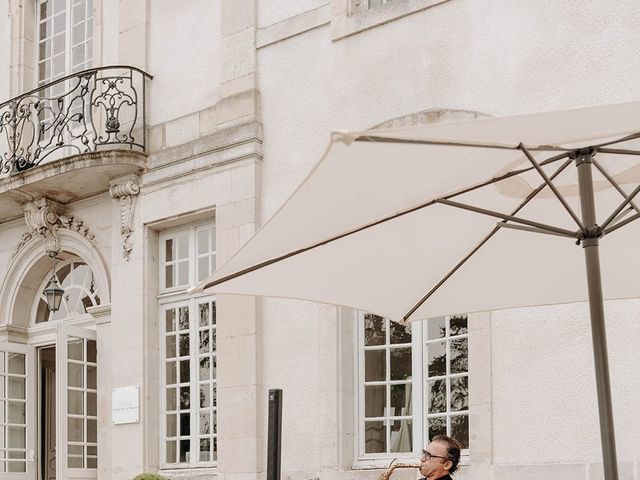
[{"x": 596, "y": 310}]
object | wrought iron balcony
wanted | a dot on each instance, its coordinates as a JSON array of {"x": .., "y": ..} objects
[{"x": 90, "y": 111}]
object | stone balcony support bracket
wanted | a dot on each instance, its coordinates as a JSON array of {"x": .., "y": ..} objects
[
  {"x": 125, "y": 190},
  {"x": 44, "y": 217}
]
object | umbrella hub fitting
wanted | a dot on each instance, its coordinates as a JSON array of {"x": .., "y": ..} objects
[
  {"x": 582, "y": 155},
  {"x": 589, "y": 236}
]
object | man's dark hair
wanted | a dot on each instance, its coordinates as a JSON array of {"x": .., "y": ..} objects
[{"x": 453, "y": 449}]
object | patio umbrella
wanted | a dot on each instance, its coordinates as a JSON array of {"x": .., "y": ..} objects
[{"x": 418, "y": 222}]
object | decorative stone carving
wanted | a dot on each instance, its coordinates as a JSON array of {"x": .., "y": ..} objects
[
  {"x": 125, "y": 191},
  {"x": 44, "y": 217}
]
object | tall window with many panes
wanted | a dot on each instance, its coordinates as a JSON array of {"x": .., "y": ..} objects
[
  {"x": 412, "y": 384},
  {"x": 65, "y": 38},
  {"x": 188, "y": 345}
]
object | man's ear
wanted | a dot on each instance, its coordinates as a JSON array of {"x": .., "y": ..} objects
[{"x": 447, "y": 465}]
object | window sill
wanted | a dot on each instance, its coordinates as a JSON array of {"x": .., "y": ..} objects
[
  {"x": 189, "y": 471},
  {"x": 359, "y": 21}
]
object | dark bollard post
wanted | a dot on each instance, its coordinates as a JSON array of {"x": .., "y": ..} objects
[{"x": 274, "y": 434}]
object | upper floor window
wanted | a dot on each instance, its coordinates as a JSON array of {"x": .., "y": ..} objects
[
  {"x": 65, "y": 38},
  {"x": 413, "y": 384},
  {"x": 76, "y": 279},
  {"x": 377, "y": 3},
  {"x": 187, "y": 256}
]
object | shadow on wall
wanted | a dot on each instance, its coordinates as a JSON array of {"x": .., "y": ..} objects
[{"x": 427, "y": 117}]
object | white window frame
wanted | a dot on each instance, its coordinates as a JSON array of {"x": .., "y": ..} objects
[
  {"x": 419, "y": 341},
  {"x": 68, "y": 48},
  {"x": 192, "y": 258},
  {"x": 175, "y": 297}
]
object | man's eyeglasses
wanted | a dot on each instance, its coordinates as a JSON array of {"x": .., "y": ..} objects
[{"x": 427, "y": 456}]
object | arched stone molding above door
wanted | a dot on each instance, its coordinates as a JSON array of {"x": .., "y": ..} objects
[{"x": 30, "y": 266}]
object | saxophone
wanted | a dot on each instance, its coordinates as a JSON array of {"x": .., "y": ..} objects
[{"x": 386, "y": 475}]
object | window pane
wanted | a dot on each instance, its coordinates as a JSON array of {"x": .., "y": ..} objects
[
  {"x": 401, "y": 399},
  {"x": 436, "y": 328},
  {"x": 400, "y": 333},
  {"x": 170, "y": 317},
  {"x": 172, "y": 423},
  {"x": 205, "y": 397},
  {"x": 205, "y": 447},
  {"x": 75, "y": 429},
  {"x": 401, "y": 436},
  {"x": 171, "y": 452},
  {"x": 437, "y": 396},
  {"x": 185, "y": 451},
  {"x": 205, "y": 346},
  {"x": 16, "y": 413},
  {"x": 75, "y": 349},
  {"x": 437, "y": 426},
  {"x": 205, "y": 423},
  {"x": 205, "y": 369},
  {"x": 459, "y": 357},
  {"x": 374, "y": 330},
  {"x": 17, "y": 437},
  {"x": 203, "y": 268},
  {"x": 171, "y": 399},
  {"x": 91, "y": 351},
  {"x": 171, "y": 373},
  {"x": 185, "y": 398},
  {"x": 458, "y": 325},
  {"x": 183, "y": 273},
  {"x": 204, "y": 314},
  {"x": 169, "y": 250},
  {"x": 17, "y": 388},
  {"x": 75, "y": 374},
  {"x": 185, "y": 424},
  {"x": 185, "y": 371},
  {"x": 436, "y": 356},
  {"x": 459, "y": 394},
  {"x": 375, "y": 400},
  {"x": 92, "y": 404},
  {"x": 183, "y": 246},
  {"x": 92, "y": 430},
  {"x": 171, "y": 346},
  {"x": 375, "y": 437},
  {"x": 75, "y": 402},
  {"x": 92, "y": 377},
  {"x": 168, "y": 276},
  {"x": 203, "y": 241},
  {"x": 183, "y": 341},
  {"x": 460, "y": 429},
  {"x": 400, "y": 363},
  {"x": 16, "y": 363},
  {"x": 183, "y": 315},
  {"x": 374, "y": 365}
]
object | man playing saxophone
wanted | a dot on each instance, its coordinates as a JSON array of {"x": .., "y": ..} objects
[{"x": 440, "y": 458}]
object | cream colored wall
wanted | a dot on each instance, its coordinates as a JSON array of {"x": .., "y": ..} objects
[
  {"x": 5, "y": 50},
  {"x": 498, "y": 58}
]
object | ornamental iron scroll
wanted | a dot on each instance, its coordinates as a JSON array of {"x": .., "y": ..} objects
[{"x": 93, "y": 110}]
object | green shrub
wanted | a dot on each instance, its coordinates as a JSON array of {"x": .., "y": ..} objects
[{"x": 149, "y": 476}]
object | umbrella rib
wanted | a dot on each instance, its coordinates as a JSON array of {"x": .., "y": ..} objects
[
  {"x": 621, "y": 224},
  {"x": 493, "y": 213},
  {"x": 266, "y": 263},
  {"x": 615, "y": 184},
  {"x": 532, "y": 229},
  {"x": 551, "y": 186},
  {"x": 615, "y": 213},
  {"x": 483, "y": 242},
  {"x": 409, "y": 141},
  {"x": 618, "y": 151}
]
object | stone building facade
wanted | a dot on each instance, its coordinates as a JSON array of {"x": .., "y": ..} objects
[{"x": 192, "y": 123}]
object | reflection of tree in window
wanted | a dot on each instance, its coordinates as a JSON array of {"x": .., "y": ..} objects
[
  {"x": 447, "y": 374},
  {"x": 78, "y": 283}
]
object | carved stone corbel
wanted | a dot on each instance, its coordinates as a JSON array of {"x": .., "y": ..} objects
[
  {"x": 42, "y": 216},
  {"x": 125, "y": 191}
]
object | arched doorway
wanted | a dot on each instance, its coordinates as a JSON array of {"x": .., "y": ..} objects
[{"x": 49, "y": 362}]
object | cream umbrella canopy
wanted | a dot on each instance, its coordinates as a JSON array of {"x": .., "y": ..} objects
[{"x": 417, "y": 222}]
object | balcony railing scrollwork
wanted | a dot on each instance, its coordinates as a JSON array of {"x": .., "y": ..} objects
[{"x": 89, "y": 111}]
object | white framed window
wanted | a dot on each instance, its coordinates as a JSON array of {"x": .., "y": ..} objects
[
  {"x": 187, "y": 256},
  {"x": 412, "y": 384},
  {"x": 65, "y": 38},
  {"x": 188, "y": 349},
  {"x": 189, "y": 373}
]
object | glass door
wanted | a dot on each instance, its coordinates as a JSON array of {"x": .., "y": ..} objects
[
  {"x": 17, "y": 412},
  {"x": 77, "y": 443}
]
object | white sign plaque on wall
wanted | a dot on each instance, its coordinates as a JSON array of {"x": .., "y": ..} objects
[{"x": 125, "y": 407}]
